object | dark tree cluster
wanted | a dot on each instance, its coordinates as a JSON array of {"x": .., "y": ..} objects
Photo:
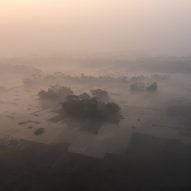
[
  {"x": 100, "y": 95},
  {"x": 90, "y": 111},
  {"x": 54, "y": 96},
  {"x": 137, "y": 86},
  {"x": 152, "y": 88},
  {"x": 61, "y": 78},
  {"x": 141, "y": 87}
]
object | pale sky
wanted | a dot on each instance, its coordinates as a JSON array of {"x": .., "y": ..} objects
[{"x": 160, "y": 27}]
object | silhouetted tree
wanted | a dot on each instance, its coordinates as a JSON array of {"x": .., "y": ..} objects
[
  {"x": 153, "y": 87},
  {"x": 90, "y": 112}
]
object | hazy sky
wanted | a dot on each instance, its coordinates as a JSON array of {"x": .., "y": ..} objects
[{"x": 58, "y": 26}]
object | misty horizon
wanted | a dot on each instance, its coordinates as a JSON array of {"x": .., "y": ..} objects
[{"x": 133, "y": 27}]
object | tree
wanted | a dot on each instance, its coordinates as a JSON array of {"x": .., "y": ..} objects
[{"x": 152, "y": 88}]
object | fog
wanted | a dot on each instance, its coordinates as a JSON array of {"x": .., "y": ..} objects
[
  {"x": 152, "y": 96},
  {"x": 95, "y": 95},
  {"x": 73, "y": 118},
  {"x": 81, "y": 27}
]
